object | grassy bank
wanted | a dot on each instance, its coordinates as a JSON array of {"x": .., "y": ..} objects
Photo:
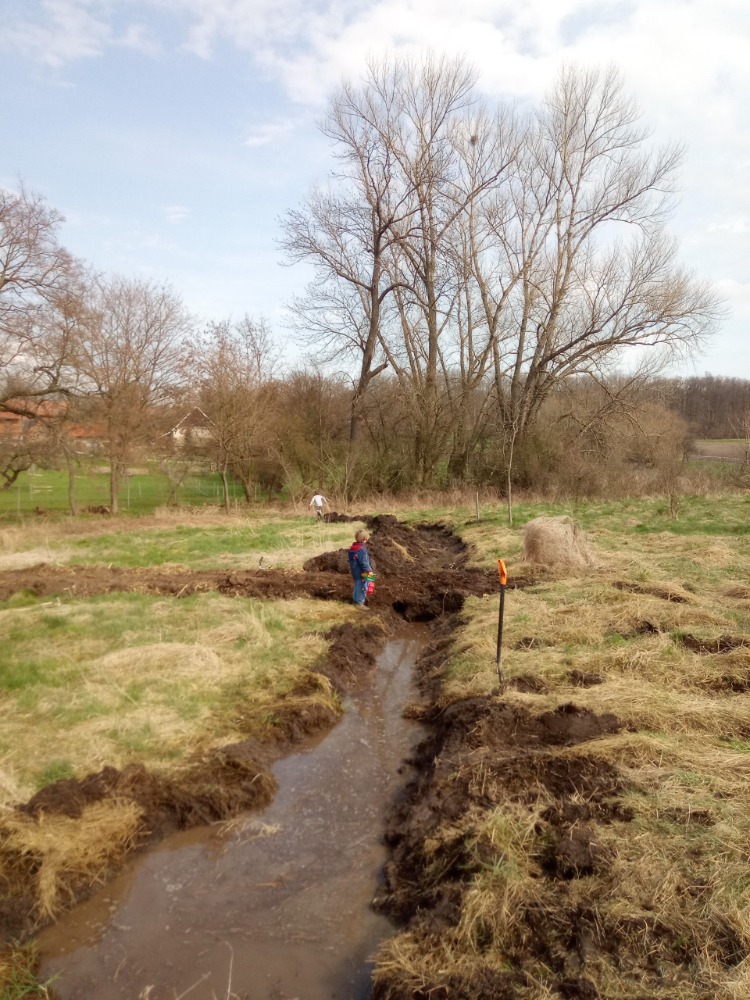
[
  {"x": 120, "y": 677},
  {"x": 124, "y": 677},
  {"x": 617, "y": 866}
]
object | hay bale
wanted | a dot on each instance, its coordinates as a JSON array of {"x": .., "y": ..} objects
[{"x": 557, "y": 542}]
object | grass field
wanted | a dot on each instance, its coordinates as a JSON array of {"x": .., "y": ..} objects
[
  {"x": 726, "y": 449},
  {"x": 659, "y": 628},
  {"x": 131, "y": 676},
  {"x": 656, "y": 635},
  {"x": 140, "y": 493}
]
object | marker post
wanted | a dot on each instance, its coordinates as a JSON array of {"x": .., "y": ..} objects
[{"x": 503, "y": 574}]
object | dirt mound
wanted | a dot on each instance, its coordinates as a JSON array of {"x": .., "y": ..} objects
[
  {"x": 335, "y": 518},
  {"x": 328, "y": 562},
  {"x": 397, "y": 548},
  {"x": 514, "y": 751},
  {"x": 722, "y": 644}
]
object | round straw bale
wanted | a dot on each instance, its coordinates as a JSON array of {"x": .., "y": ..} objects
[{"x": 557, "y": 542}]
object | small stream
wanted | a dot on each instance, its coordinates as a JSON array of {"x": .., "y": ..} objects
[{"x": 272, "y": 906}]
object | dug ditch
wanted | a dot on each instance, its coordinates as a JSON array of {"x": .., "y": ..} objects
[
  {"x": 273, "y": 905},
  {"x": 423, "y": 577}
]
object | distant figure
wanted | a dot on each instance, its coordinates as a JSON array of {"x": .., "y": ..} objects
[
  {"x": 317, "y": 502},
  {"x": 360, "y": 565}
]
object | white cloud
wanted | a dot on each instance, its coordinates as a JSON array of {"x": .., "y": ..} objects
[
  {"x": 174, "y": 214},
  {"x": 140, "y": 38},
  {"x": 63, "y": 30},
  {"x": 269, "y": 133},
  {"x": 735, "y": 227}
]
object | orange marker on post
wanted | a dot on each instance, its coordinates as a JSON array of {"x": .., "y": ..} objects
[{"x": 503, "y": 574}]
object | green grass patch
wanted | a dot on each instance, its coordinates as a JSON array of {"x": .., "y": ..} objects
[
  {"x": 240, "y": 543},
  {"x": 232, "y": 543},
  {"x": 131, "y": 677},
  {"x": 18, "y": 978},
  {"x": 709, "y": 515},
  {"x": 48, "y": 490},
  {"x": 56, "y": 770}
]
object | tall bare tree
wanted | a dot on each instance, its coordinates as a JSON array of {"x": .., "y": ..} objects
[
  {"x": 131, "y": 357},
  {"x": 39, "y": 293},
  {"x": 417, "y": 149},
  {"x": 347, "y": 229},
  {"x": 598, "y": 270}
]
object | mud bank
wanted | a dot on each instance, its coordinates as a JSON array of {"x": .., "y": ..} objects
[{"x": 484, "y": 755}]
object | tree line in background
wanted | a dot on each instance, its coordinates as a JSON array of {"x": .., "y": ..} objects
[{"x": 479, "y": 274}]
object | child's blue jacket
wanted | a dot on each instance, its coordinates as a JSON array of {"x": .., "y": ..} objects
[{"x": 359, "y": 560}]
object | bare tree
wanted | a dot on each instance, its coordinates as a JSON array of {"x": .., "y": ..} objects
[
  {"x": 598, "y": 273},
  {"x": 347, "y": 230},
  {"x": 131, "y": 356},
  {"x": 417, "y": 149},
  {"x": 235, "y": 365},
  {"x": 39, "y": 284}
]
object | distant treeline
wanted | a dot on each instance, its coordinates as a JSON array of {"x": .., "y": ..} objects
[{"x": 713, "y": 406}]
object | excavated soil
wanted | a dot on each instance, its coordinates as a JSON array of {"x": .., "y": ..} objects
[{"x": 422, "y": 574}]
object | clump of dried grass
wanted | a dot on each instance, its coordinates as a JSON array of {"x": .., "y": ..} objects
[
  {"x": 493, "y": 906},
  {"x": 557, "y": 542},
  {"x": 651, "y": 756},
  {"x": 168, "y": 659},
  {"x": 406, "y": 968},
  {"x": 57, "y": 853}
]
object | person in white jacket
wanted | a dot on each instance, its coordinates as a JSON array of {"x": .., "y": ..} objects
[{"x": 317, "y": 502}]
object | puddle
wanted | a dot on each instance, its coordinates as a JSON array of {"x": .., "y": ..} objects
[{"x": 274, "y": 906}]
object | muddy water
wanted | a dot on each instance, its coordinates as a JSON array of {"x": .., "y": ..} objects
[{"x": 273, "y": 906}]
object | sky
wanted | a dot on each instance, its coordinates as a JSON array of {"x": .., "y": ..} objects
[{"x": 173, "y": 135}]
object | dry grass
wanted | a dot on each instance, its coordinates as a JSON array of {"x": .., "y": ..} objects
[
  {"x": 109, "y": 694},
  {"x": 666, "y": 913},
  {"x": 62, "y": 852}
]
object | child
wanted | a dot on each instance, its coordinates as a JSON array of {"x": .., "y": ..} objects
[{"x": 359, "y": 564}]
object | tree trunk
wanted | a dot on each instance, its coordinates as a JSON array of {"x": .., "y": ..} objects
[
  {"x": 114, "y": 486},
  {"x": 225, "y": 487},
  {"x": 72, "y": 502}
]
